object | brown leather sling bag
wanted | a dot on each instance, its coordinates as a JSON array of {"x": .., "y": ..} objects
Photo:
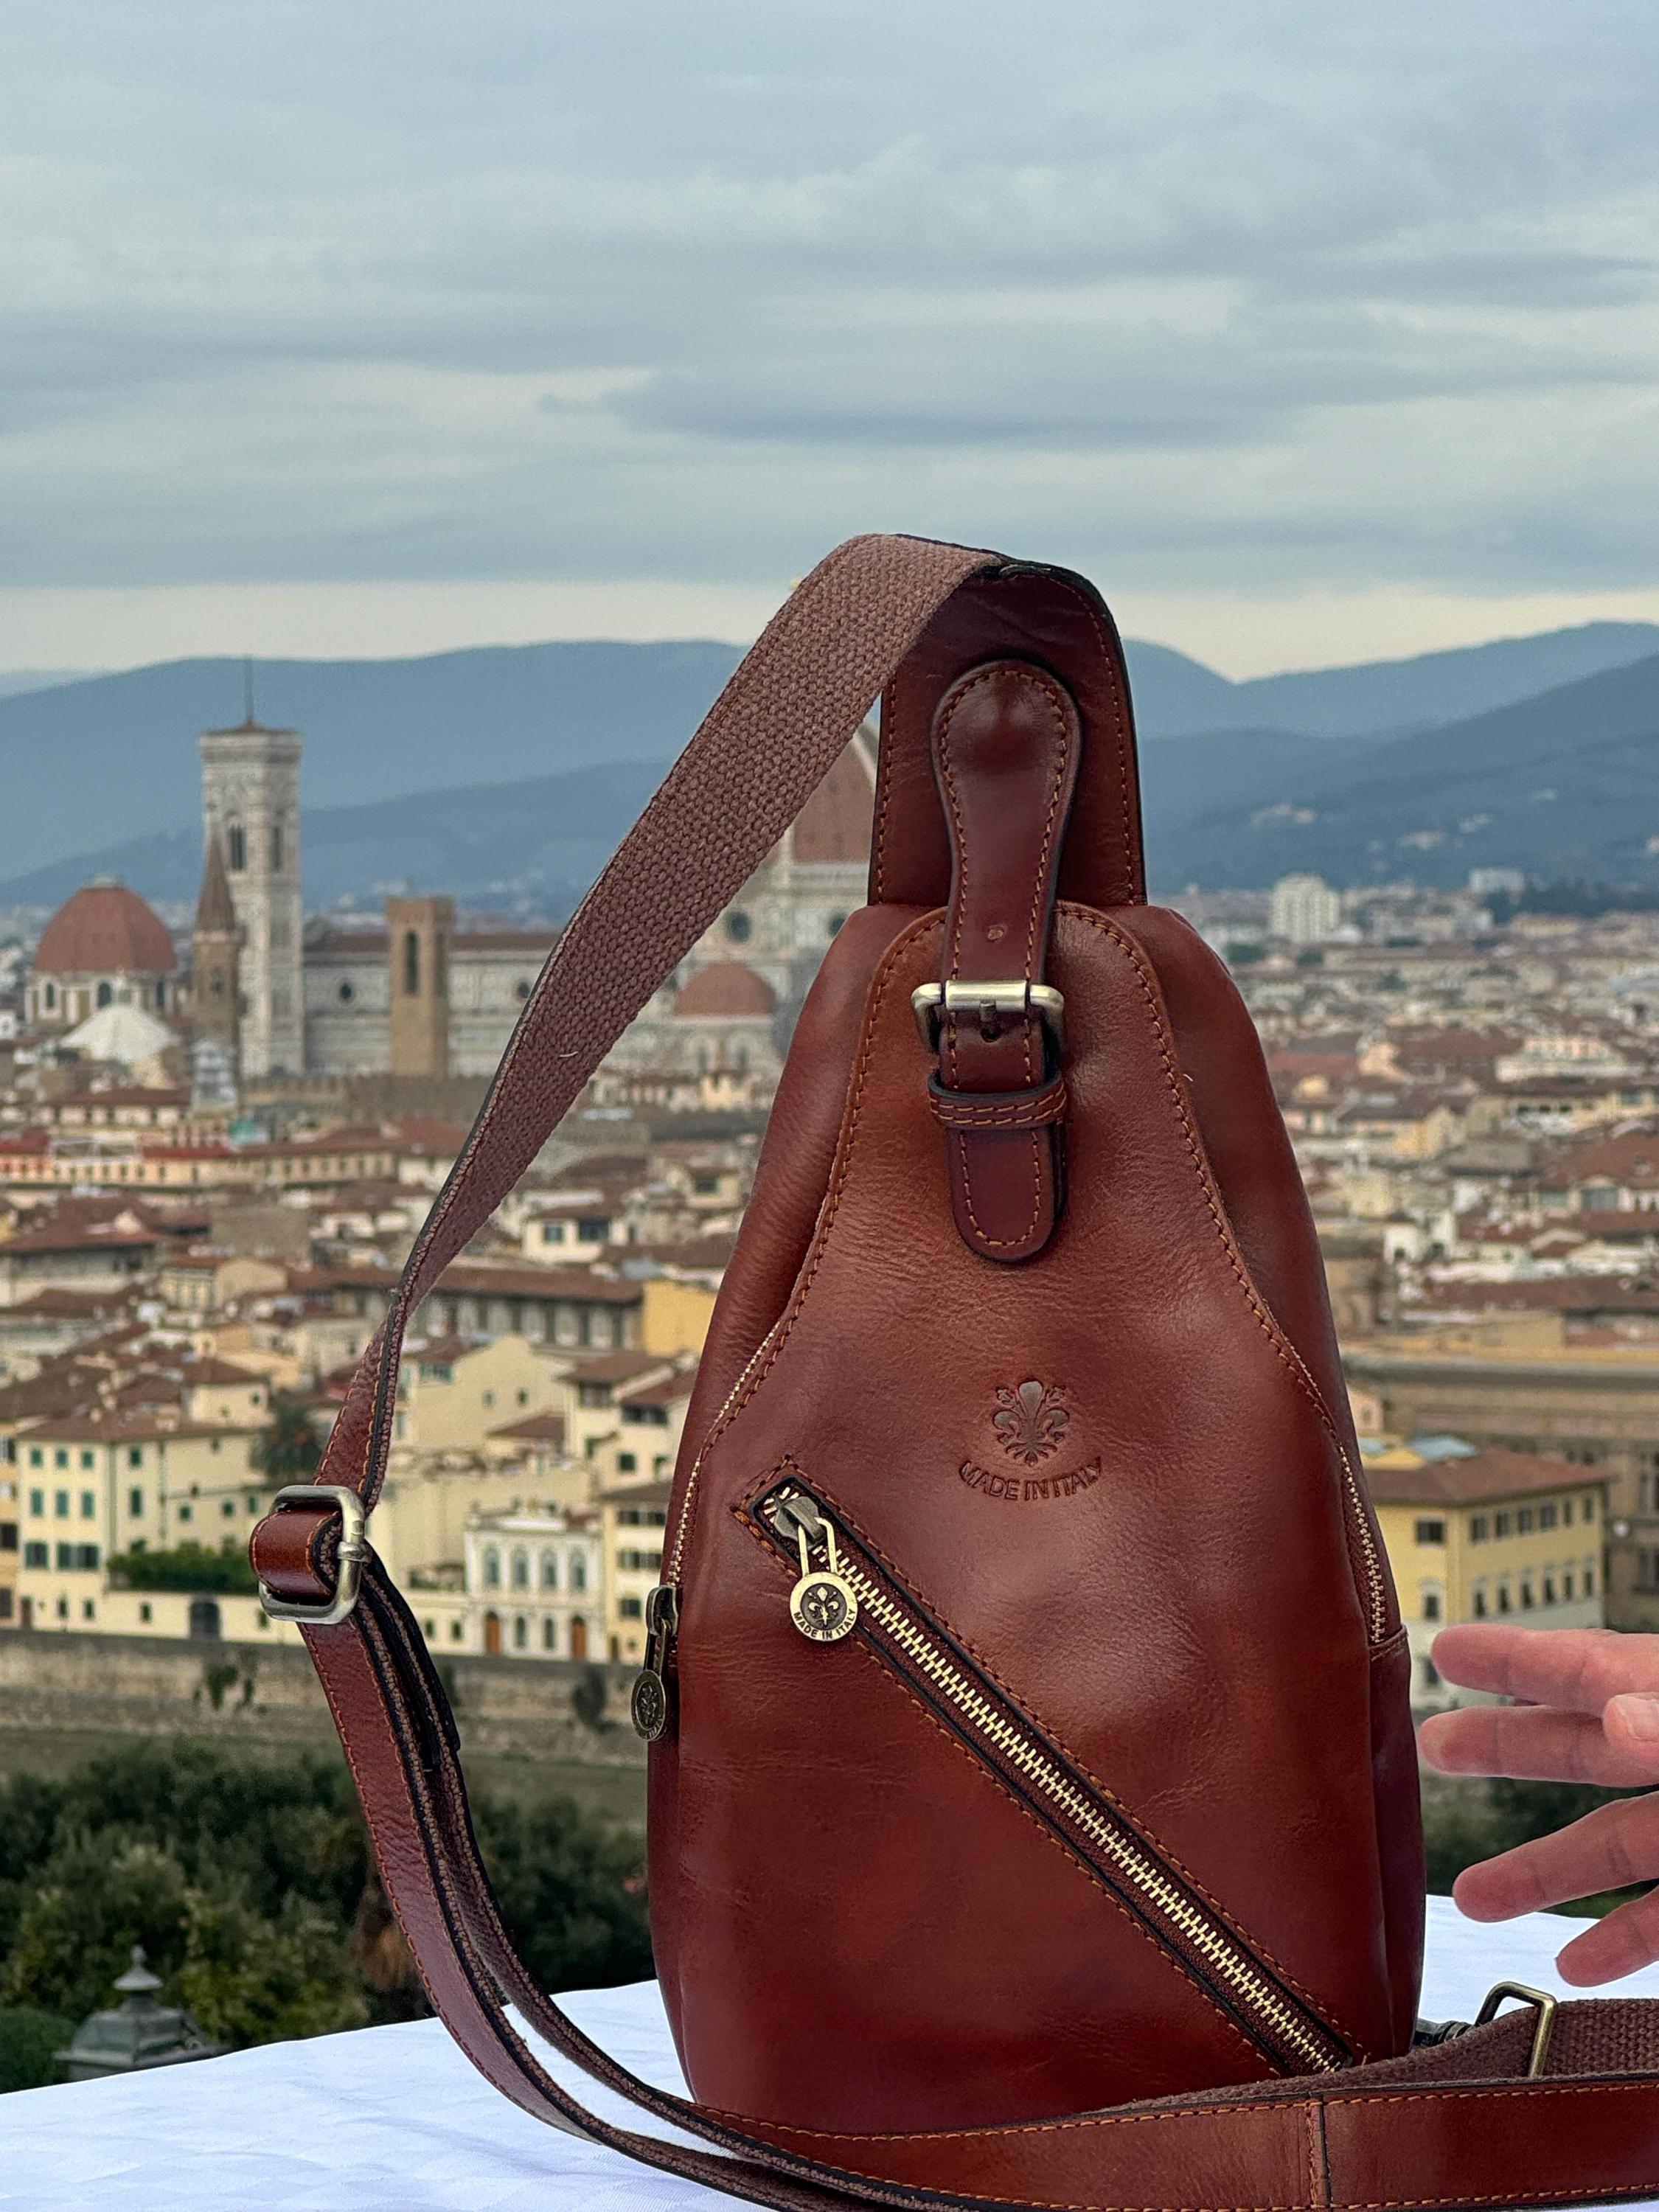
[{"x": 1031, "y": 1750}]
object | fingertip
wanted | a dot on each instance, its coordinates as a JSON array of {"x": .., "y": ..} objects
[
  {"x": 1478, "y": 1900},
  {"x": 1630, "y": 1721}
]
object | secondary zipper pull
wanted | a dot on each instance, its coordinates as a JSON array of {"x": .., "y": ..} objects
[
  {"x": 822, "y": 1604},
  {"x": 648, "y": 1706}
]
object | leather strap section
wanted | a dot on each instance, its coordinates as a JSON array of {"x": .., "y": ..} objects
[
  {"x": 1056, "y": 621},
  {"x": 1007, "y": 741},
  {"x": 1453, "y": 2125},
  {"x": 973, "y": 1111},
  {"x": 783, "y": 719}
]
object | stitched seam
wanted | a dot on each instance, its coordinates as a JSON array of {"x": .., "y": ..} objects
[
  {"x": 885, "y": 779},
  {"x": 1285, "y": 1350},
  {"x": 1080, "y": 1865},
  {"x": 1320, "y": 2005},
  {"x": 772, "y": 1344},
  {"x": 959, "y": 906}
]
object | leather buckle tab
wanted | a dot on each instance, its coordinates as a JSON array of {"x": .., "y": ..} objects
[{"x": 351, "y": 1551}]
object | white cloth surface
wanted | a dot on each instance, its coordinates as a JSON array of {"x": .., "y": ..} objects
[{"x": 394, "y": 2119}]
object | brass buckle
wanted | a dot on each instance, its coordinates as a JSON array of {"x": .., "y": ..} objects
[
  {"x": 1547, "y": 2011},
  {"x": 993, "y": 1003},
  {"x": 353, "y": 1551}
]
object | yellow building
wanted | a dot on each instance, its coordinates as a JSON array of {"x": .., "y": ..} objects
[
  {"x": 674, "y": 1315},
  {"x": 1475, "y": 1534},
  {"x": 1521, "y": 1384},
  {"x": 633, "y": 1527},
  {"x": 451, "y": 1392},
  {"x": 91, "y": 1485}
]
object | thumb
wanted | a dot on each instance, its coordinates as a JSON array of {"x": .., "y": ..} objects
[{"x": 1631, "y": 1724}]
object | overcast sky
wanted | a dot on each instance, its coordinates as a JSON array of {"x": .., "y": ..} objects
[{"x": 1310, "y": 331}]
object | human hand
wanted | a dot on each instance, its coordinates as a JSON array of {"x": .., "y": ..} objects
[{"x": 1589, "y": 1712}]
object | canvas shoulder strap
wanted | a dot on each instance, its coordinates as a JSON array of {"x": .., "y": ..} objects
[{"x": 1460, "y": 2122}]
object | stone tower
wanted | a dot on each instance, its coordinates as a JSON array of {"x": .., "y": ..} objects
[
  {"x": 250, "y": 806},
  {"x": 217, "y": 958},
  {"x": 419, "y": 935}
]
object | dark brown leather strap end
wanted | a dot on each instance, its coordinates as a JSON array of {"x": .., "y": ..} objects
[{"x": 1006, "y": 740}]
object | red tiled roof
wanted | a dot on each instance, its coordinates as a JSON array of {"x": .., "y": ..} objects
[{"x": 105, "y": 929}]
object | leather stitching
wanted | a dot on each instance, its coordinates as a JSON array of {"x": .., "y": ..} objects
[{"x": 1117, "y": 685}]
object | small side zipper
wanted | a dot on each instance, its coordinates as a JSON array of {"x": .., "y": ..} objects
[{"x": 841, "y": 1589}]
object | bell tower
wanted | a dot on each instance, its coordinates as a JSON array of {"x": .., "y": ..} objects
[{"x": 251, "y": 808}]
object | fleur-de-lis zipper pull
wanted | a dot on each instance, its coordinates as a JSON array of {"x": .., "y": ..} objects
[{"x": 823, "y": 1604}]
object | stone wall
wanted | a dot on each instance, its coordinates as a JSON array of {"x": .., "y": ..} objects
[{"x": 156, "y": 1686}]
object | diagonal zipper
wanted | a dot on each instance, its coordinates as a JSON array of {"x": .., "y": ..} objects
[{"x": 842, "y": 1589}]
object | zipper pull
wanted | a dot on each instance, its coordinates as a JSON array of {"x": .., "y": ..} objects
[
  {"x": 648, "y": 1706},
  {"x": 822, "y": 1604}
]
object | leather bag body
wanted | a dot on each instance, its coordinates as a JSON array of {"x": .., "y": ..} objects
[{"x": 1033, "y": 1799}]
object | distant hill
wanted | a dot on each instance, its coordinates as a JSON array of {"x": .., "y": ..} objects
[
  {"x": 541, "y": 841},
  {"x": 99, "y": 774},
  {"x": 1564, "y": 784},
  {"x": 98, "y": 761}
]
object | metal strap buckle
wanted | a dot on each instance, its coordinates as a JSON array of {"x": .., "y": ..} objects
[
  {"x": 353, "y": 1551},
  {"x": 1522, "y": 1995},
  {"x": 993, "y": 1004}
]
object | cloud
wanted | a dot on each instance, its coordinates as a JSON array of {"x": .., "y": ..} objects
[{"x": 1256, "y": 290}]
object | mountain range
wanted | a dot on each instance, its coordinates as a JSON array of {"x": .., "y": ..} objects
[{"x": 505, "y": 773}]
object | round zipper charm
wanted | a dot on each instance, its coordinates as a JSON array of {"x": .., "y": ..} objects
[
  {"x": 823, "y": 1607},
  {"x": 648, "y": 1706}
]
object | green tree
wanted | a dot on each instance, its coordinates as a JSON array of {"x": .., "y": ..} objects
[
  {"x": 289, "y": 1448},
  {"x": 186, "y": 1567},
  {"x": 572, "y": 1892},
  {"x": 97, "y": 1897},
  {"x": 30, "y": 2040},
  {"x": 251, "y": 1980}
]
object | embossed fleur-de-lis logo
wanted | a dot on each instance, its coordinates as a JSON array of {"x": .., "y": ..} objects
[{"x": 1030, "y": 1420}]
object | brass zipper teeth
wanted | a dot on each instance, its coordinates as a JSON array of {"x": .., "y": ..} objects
[
  {"x": 1221, "y": 1954},
  {"x": 1373, "y": 1576}
]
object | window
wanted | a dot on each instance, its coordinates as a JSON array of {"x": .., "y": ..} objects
[
  {"x": 88, "y": 1505},
  {"x": 88, "y": 1610},
  {"x": 1548, "y": 1515},
  {"x": 1549, "y": 1590},
  {"x": 1647, "y": 1570},
  {"x": 136, "y": 1504},
  {"x": 457, "y": 1630},
  {"x": 36, "y": 1555},
  {"x": 1526, "y": 1594},
  {"x": 627, "y": 1462},
  {"x": 228, "y": 1510},
  {"x": 38, "y": 1503},
  {"x": 492, "y": 1567},
  {"x": 1431, "y": 1608},
  {"x": 521, "y": 1634},
  {"x": 51, "y": 998},
  {"x": 1590, "y": 1582},
  {"x": 1523, "y": 1521},
  {"x": 1503, "y": 1524},
  {"x": 37, "y": 1457},
  {"x": 1503, "y": 1605},
  {"x": 8, "y": 1536},
  {"x": 236, "y": 848},
  {"x": 1589, "y": 1507},
  {"x": 1431, "y": 1532},
  {"x": 276, "y": 846},
  {"x": 60, "y": 1504},
  {"x": 186, "y": 1513},
  {"x": 738, "y": 927},
  {"x": 5, "y": 1605},
  {"x": 521, "y": 1570},
  {"x": 1567, "y": 1513},
  {"x": 578, "y": 1572},
  {"x": 549, "y": 1570},
  {"x": 60, "y": 1457},
  {"x": 146, "y": 1612},
  {"x": 134, "y": 1454},
  {"x": 106, "y": 994},
  {"x": 1566, "y": 1583},
  {"x": 1429, "y": 1673},
  {"x": 411, "y": 965},
  {"x": 550, "y": 1634},
  {"x": 633, "y": 1608}
]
